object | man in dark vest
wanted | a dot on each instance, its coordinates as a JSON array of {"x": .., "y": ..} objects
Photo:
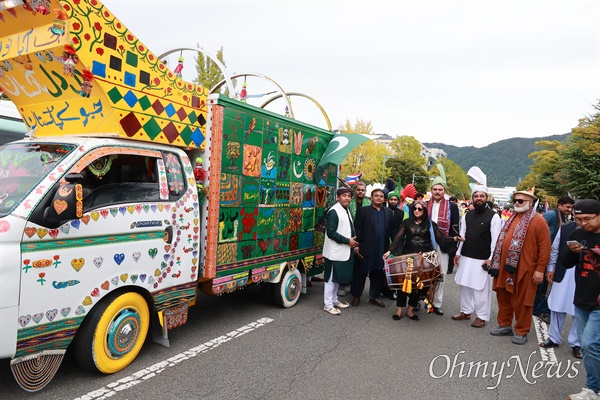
[{"x": 480, "y": 229}]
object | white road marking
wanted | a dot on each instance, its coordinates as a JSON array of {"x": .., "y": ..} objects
[
  {"x": 140, "y": 376},
  {"x": 541, "y": 331}
]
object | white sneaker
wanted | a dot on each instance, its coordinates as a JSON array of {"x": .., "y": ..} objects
[
  {"x": 585, "y": 394},
  {"x": 332, "y": 311},
  {"x": 342, "y": 305}
]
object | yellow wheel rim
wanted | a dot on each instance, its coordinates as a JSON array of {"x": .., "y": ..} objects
[{"x": 121, "y": 332}]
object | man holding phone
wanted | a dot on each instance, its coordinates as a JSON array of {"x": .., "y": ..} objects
[{"x": 583, "y": 252}]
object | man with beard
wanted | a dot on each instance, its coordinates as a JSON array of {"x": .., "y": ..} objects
[
  {"x": 584, "y": 252},
  {"x": 359, "y": 201},
  {"x": 374, "y": 232},
  {"x": 518, "y": 265},
  {"x": 397, "y": 213},
  {"x": 337, "y": 250},
  {"x": 480, "y": 228},
  {"x": 446, "y": 215}
]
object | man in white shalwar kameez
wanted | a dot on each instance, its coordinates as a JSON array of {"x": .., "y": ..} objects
[
  {"x": 480, "y": 229},
  {"x": 561, "y": 296}
]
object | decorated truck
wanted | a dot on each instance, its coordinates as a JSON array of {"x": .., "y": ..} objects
[{"x": 134, "y": 190}]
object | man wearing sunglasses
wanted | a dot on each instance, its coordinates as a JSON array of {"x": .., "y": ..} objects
[
  {"x": 583, "y": 252},
  {"x": 518, "y": 265}
]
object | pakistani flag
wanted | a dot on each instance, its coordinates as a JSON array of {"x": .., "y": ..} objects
[{"x": 340, "y": 146}]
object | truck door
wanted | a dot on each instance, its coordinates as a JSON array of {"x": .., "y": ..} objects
[{"x": 133, "y": 202}]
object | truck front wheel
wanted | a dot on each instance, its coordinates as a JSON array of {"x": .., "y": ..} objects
[
  {"x": 287, "y": 292},
  {"x": 114, "y": 333}
]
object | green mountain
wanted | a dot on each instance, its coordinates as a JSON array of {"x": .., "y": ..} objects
[{"x": 505, "y": 162}]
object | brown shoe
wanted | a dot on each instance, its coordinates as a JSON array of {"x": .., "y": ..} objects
[
  {"x": 356, "y": 302},
  {"x": 377, "y": 302},
  {"x": 461, "y": 317},
  {"x": 478, "y": 323}
]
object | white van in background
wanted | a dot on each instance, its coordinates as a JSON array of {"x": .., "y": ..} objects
[{"x": 12, "y": 126}]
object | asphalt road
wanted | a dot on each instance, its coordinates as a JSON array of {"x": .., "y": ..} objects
[{"x": 237, "y": 347}]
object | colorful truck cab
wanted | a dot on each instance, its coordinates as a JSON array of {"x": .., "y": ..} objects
[{"x": 134, "y": 190}]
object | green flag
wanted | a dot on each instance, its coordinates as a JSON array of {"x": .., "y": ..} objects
[{"x": 338, "y": 148}]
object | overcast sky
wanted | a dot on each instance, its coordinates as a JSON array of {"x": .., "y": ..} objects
[{"x": 455, "y": 72}]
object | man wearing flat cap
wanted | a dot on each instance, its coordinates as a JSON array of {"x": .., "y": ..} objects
[
  {"x": 339, "y": 241},
  {"x": 518, "y": 266},
  {"x": 583, "y": 252}
]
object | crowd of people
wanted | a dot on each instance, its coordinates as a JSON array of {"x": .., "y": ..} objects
[{"x": 544, "y": 264}]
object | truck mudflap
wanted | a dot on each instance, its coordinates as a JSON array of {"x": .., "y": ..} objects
[{"x": 33, "y": 372}]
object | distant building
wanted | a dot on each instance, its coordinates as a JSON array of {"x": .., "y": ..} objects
[
  {"x": 432, "y": 154},
  {"x": 501, "y": 195}
]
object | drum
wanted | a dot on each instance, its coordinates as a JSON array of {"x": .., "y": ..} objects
[{"x": 425, "y": 266}]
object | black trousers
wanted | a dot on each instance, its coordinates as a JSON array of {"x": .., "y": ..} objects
[
  {"x": 413, "y": 297},
  {"x": 358, "y": 283}
]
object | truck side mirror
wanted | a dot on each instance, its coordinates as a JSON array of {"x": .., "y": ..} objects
[{"x": 67, "y": 203}]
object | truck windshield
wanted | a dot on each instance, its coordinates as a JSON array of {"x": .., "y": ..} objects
[{"x": 22, "y": 166}]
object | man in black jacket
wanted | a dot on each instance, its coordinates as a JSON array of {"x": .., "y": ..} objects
[
  {"x": 584, "y": 252},
  {"x": 373, "y": 226}
]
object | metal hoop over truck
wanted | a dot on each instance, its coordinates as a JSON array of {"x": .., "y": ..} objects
[{"x": 134, "y": 190}]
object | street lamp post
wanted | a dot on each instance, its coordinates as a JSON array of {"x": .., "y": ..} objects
[{"x": 419, "y": 176}]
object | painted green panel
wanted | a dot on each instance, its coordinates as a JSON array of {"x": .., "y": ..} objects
[
  {"x": 308, "y": 197},
  {"x": 250, "y": 190},
  {"x": 295, "y": 221},
  {"x": 231, "y": 186},
  {"x": 270, "y": 135},
  {"x": 232, "y": 157},
  {"x": 285, "y": 140},
  {"x": 265, "y": 222},
  {"x": 268, "y": 168},
  {"x": 267, "y": 192},
  {"x": 247, "y": 249},
  {"x": 228, "y": 224},
  {"x": 281, "y": 245},
  {"x": 253, "y": 130},
  {"x": 296, "y": 193},
  {"x": 282, "y": 194},
  {"x": 297, "y": 169},
  {"x": 284, "y": 163},
  {"x": 233, "y": 125},
  {"x": 282, "y": 221},
  {"x": 248, "y": 223},
  {"x": 308, "y": 219}
]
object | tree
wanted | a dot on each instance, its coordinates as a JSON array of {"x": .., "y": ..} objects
[
  {"x": 582, "y": 158},
  {"x": 408, "y": 163},
  {"x": 457, "y": 181},
  {"x": 571, "y": 167},
  {"x": 359, "y": 127},
  {"x": 545, "y": 173},
  {"x": 209, "y": 73},
  {"x": 366, "y": 158}
]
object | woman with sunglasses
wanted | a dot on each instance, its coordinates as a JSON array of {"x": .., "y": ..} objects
[{"x": 414, "y": 236}]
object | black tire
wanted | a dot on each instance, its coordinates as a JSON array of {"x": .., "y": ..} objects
[{"x": 113, "y": 333}]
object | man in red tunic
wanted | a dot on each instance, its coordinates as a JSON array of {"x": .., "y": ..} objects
[{"x": 518, "y": 265}]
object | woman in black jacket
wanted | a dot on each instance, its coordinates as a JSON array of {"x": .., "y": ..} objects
[{"x": 415, "y": 236}]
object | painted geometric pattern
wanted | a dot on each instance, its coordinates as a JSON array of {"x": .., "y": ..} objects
[{"x": 114, "y": 83}]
